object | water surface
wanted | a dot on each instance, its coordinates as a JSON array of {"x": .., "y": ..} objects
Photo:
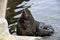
[{"x": 47, "y": 11}]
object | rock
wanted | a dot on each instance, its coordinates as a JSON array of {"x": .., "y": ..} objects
[
  {"x": 6, "y": 38},
  {"x": 28, "y": 26}
]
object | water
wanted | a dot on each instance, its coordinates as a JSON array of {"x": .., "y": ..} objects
[{"x": 47, "y": 11}]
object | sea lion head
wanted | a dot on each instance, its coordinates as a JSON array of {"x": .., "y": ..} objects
[{"x": 26, "y": 14}]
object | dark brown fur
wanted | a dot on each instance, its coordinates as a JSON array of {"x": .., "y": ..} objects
[{"x": 26, "y": 23}]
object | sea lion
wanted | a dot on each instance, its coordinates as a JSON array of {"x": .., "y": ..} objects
[
  {"x": 45, "y": 30},
  {"x": 28, "y": 26}
]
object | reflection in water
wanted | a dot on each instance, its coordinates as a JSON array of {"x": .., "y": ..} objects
[{"x": 42, "y": 10}]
